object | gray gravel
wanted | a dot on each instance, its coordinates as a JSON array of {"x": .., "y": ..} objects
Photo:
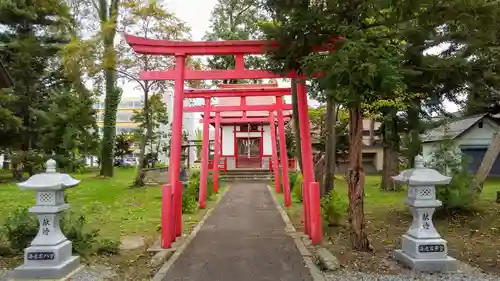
[
  {"x": 93, "y": 273},
  {"x": 88, "y": 273},
  {"x": 465, "y": 273}
]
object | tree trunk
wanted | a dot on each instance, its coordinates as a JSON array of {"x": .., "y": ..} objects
[
  {"x": 372, "y": 131},
  {"x": 355, "y": 182},
  {"x": 139, "y": 179},
  {"x": 414, "y": 144},
  {"x": 296, "y": 124},
  {"x": 331, "y": 145},
  {"x": 319, "y": 169},
  {"x": 486, "y": 165},
  {"x": 113, "y": 94},
  {"x": 390, "y": 142}
]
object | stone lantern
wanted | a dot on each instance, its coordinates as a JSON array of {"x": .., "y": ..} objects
[
  {"x": 50, "y": 254},
  {"x": 423, "y": 249}
]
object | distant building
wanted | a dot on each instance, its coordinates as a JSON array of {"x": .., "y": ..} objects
[
  {"x": 471, "y": 135},
  {"x": 124, "y": 123}
]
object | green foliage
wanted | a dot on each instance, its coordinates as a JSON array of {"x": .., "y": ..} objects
[
  {"x": 235, "y": 20},
  {"x": 21, "y": 227},
  {"x": 190, "y": 194},
  {"x": 158, "y": 116},
  {"x": 107, "y": 154},
  {"x": 75, "y": 229},
  {"x": 210, "y": 186},
  {"x": 297, "y": 189},
  {"x": 292, "y": 177},
  {"x": 333, "y": 208},
  {"x": 448, "y": 160},
  {"x": 123, "y": 144},
  {"x": 108, "y": 247}
]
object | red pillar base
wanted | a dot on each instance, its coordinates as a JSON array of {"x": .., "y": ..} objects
[
  {"x": 178, "y": 219},
  {"x": 315, "y": 214},
  {"x": 166, "y": 217}
]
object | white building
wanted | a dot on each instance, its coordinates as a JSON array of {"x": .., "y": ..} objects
[
  {"x": 471, "y": 137},
  {"x": 246, "y": 145}
]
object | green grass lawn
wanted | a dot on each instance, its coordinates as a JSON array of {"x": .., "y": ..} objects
[
  {"x": 472, "y": 237},
  {"x": 108, "y": 204},
  {"x": 114, "y": 208}
]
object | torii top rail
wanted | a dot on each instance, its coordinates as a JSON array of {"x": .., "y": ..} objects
[{"x": 181, "y": 49}]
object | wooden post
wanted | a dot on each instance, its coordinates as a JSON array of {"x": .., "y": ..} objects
[
  {"x": 204, "y": 155},
  {"x": 305, "y": 144},
  {"x": 274, "y": 147},
  {"x": 283, "y": 155},
  {"x": 176, "y": 141},
  {"x": 315, "y": 211},
  {"x": 167, "y": 217},
  {"x": 217, "y": 152}
]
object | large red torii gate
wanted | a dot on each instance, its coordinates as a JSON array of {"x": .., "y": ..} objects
[{"x": 181, "y": 49}]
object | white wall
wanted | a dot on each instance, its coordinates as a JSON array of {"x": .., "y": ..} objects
[
  {"x": 267, "y": 141},
  {"x": 227, "y": 140},
  {"x": 478, "y": 137}
]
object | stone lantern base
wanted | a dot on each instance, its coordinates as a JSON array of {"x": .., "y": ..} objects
[
  {"x": 47, "y": 262},
  {"x": 425, "y": 255}
]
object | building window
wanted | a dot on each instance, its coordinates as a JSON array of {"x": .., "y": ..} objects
[
  {"x": 120, "y": 130},
  {"x": 138, "y": 104},
  {"x": 124, "y": 116},
  {"x": 98, "y": 105},
  {"x": 126, "y": 104},
  {"x": 99, "y": 116},
  {"x": 480, "y": 124},
  {"x": 366, "y": 133}
]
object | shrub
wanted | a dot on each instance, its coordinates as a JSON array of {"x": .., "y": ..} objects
[
  {"x": 210, "y": 186},
  {"x": 333, "y": 208},
  {"x": 108, "y": 246},
  {"x": 292, "y": 177},
  {"x": 74, "y": 228},
  {"x": 456, "y": 195},
  {"x": 190, "y": 194},
  {"x": 297, "y": 189},
  {"x": 20, "y": 228}
]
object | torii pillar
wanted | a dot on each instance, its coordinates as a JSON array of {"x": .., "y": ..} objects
[
  {"x": 204, "y": 155},
  {"x": 283, "y": 155},
  {"x": 274, "y": 147},
  {"x": 217, "y": 152},
  {"x": 175, "y": 141},
  {"x": 305, "y": 145}
]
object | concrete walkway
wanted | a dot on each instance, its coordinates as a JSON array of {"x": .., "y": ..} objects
[{"x": 243, "y": 240}]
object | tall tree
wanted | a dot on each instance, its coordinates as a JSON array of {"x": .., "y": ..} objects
[
  {"x": 31, "y": 34},
  {"x": 234, "y": 20},
  {"x": 92, "y": 51},
  {"x": 156, "y": 116},
  {"x": 153, "y": 21}
]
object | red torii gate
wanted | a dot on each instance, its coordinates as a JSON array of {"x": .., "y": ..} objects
[
  {"x": 278, "y": 107},
  {"x": 181, "y": 49}
]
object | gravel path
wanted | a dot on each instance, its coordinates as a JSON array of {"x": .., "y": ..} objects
[
  {"x": 242, "y": 240},
  {"x": 465, "y": 273},
  {"x": 88, "y": 273}
]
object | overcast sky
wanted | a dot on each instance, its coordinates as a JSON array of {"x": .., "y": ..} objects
[{"x": 196, "y": 13}]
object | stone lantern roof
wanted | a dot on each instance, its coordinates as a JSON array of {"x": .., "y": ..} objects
[
  {"x": 50, "y": 180},
  {"x": 421, "y": 175}
]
